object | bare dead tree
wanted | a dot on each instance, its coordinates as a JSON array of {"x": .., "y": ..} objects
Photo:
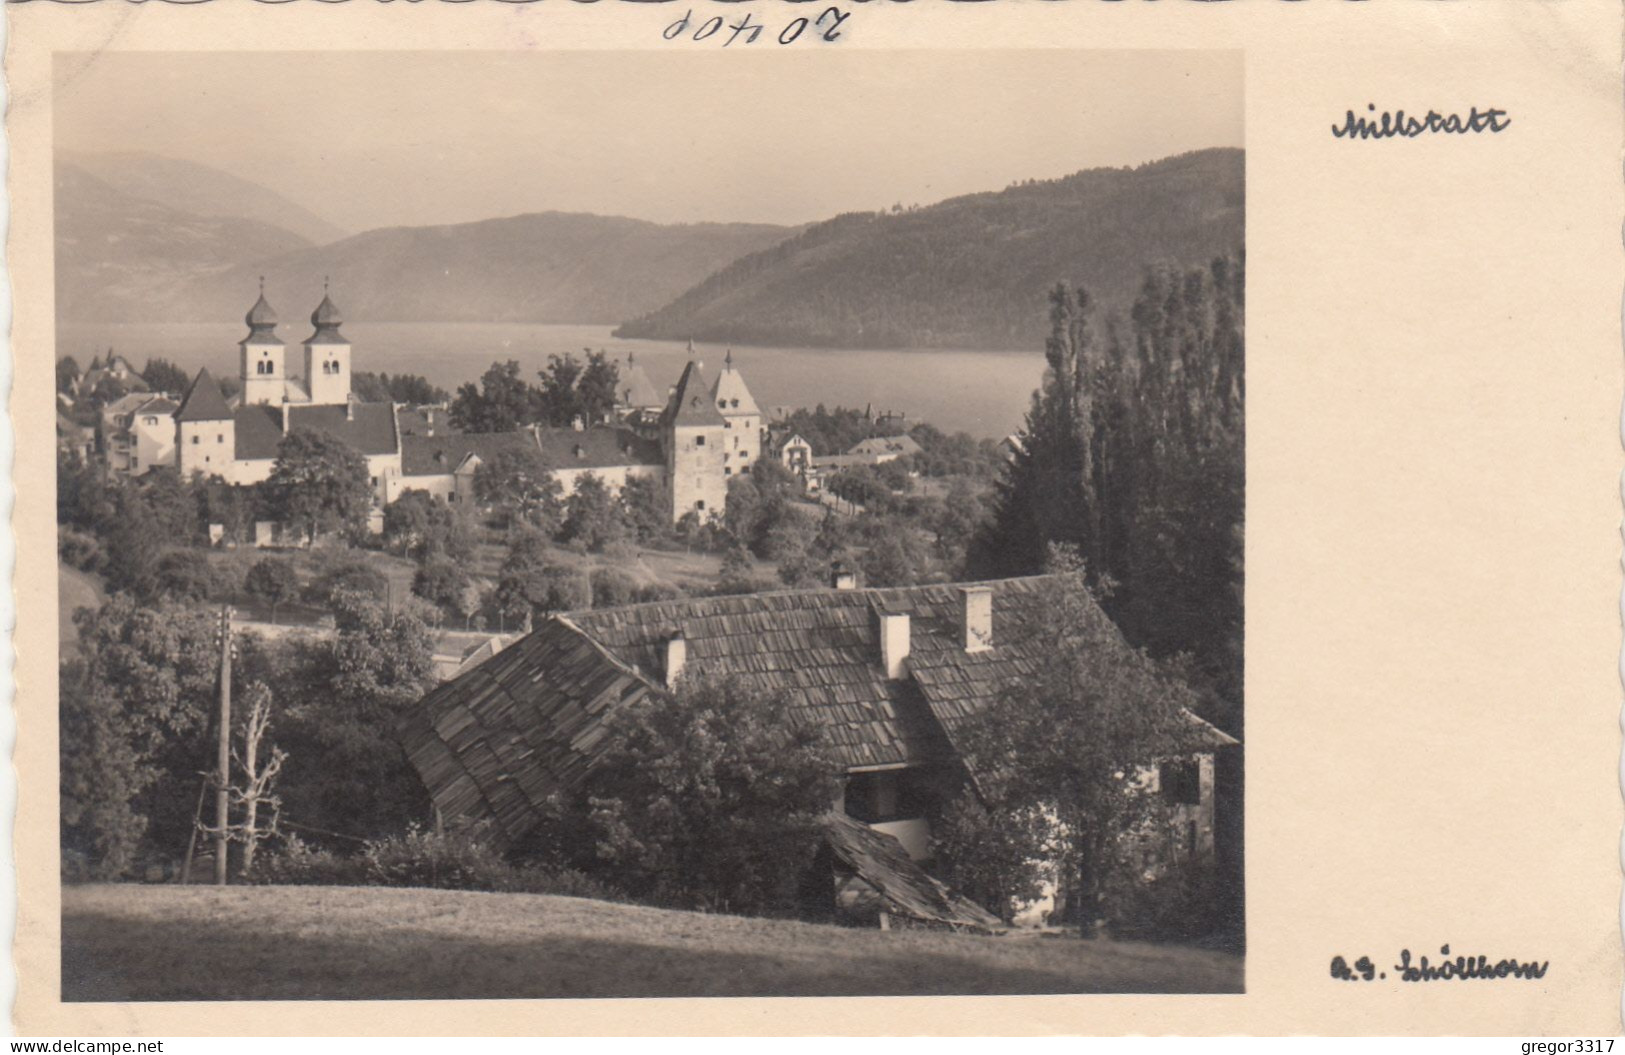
[{"x": 258, "y": 778}]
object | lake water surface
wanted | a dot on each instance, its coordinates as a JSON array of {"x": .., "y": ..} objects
[{"x": 985, "y": 393}]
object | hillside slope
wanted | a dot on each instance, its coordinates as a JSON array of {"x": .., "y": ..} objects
[
  {"x": 359, "y": 943},
  {"x": 203, "y": 191},
  {"x": 970, "y": 272},
  {"x": 541, "y": 267},
  {"x": 120, "y": 258}
]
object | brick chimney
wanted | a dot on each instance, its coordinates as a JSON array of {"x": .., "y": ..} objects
[
  {"x": 894, "y": 643},
  {"x": 676, "y": 657},
  {"x": 842, "y": 578},
  {"x": 976, "y": 618}
]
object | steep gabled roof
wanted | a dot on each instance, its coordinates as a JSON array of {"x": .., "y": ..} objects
[
  {"x": 528, "y": 721},
  {"x": 691, "y": 403},
  {"x": 203, "y": 401},
  {"x": 496, "y": 741},
  {"x": 730, "y": 394},
  {"x": 635, "y": 390}
]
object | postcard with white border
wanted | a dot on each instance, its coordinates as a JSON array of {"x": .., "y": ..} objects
[{"x": 769, "y": 517}]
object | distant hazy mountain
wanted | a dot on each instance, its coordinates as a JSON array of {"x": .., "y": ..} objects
[
  {"x": 544, "y": 267},
  {"x": 121, "y": 258},
  {"x": 203, "y": 191},
  {"x": 970, "y": 272}
]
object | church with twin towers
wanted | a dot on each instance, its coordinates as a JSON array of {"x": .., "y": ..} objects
[{"x": 692, "y": 441}]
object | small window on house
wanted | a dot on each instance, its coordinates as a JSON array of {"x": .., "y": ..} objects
[
  {"x": 736, "y": 402},
  {"x": 1181, "y": 781},
  {"x": 699, "y": 504},
  {"x": 744, "y": 454},
  {"x": 699, "y": 441},
  {"x": 744, "y": 469},
  {"x": 375, "y": 481},
  {"x": 727, "y": 472},
  {"x": 722, "y": 404},
  {"x": 890, "y": 795},
  {"x": 220, "y": 437},
  {"x": 194, "y": 439}
]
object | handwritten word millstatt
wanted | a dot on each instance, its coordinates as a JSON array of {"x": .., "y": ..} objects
[
  {"x": 826, "y": 27},
  {"x": 1398, "y": 124}
]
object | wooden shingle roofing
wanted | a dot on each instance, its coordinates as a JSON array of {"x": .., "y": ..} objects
[{"x": 495, "y": 741}]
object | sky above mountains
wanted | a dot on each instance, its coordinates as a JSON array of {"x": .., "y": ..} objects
[{"x": 377, "y": 139}]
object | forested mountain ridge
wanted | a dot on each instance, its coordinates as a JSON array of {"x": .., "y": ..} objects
[
  {"x": 549, "y": 267},
  {"x": 141, "y": 248},
  {"x": 969, "y": 272}
]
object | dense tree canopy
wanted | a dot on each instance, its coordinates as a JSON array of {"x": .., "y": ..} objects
[
  {"x": 161, "y": 375},
  {"x": 710, "y": 798},
  {"x": 320, "y": 484},
  {"x": 518, "y": 483},
  {"x": 1133, "y": 454},
  {"x": 501, "y": 402},
  {"x": 1060, "y": 755},
  {"x": 411, "y": 389},
  {"x": 131, "y": 706}
]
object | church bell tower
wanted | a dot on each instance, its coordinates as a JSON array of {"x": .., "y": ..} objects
[
  {"x": 327, "y": 355},
  {"x": 263, "y": 360}
]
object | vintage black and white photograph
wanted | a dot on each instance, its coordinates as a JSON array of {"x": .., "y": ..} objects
[{"x": 623, "y": 524}]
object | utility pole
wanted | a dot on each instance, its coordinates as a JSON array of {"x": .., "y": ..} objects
[{"x": 222, "y": 794}]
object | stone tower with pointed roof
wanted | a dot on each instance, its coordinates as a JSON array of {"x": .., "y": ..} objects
[
  {"x": 693, "y": 434},
  {"x": 327, "y": 355},
  {"x": 205, "y": 429},
  {"x": 264, "y": 357},
  {"x": 742, "y": 418}
]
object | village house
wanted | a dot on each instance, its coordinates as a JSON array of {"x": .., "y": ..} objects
[
  {"x": 116, "y": 369},
  {"x": 890, "y": 675},
  {"x": 691, "y": 443},
  {"x": 882, "y": 449},
  {"x": 138, "y": 433},
  {"x": 796, "y": 454}
]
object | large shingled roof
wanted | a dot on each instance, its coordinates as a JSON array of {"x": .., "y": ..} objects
[
  {"x": 600, "y": 447},
  {"x": 368, "y": 427},
  {"x": 496, "y": 741},
  {"x": 444, "y": 452}
]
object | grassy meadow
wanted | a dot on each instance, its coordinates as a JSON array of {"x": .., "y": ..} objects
[{"x": 129, "y": 942}]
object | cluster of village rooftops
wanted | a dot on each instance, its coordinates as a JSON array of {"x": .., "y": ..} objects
[
  {"x": 692, "y": 441},
  {"x": 891, "y": 675}
]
